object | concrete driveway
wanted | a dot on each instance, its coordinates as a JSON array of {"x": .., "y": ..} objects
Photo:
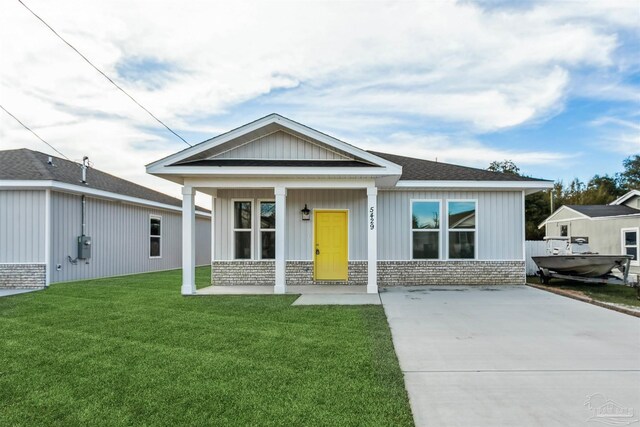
[{"x": 513, "y": 356}]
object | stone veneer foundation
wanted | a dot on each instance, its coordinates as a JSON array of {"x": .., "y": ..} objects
[
  {"x": 390, "y": 273},
  {"x": 22, "y": 276},
  {"x": 413, "y": 273}
]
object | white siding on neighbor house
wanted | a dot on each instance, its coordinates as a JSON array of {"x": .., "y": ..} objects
[
  {"x": 281, "y": 146},
  {"x": 22, "y": 226},
  {"x": 565, "y": 213},
  {"x": 120, "y": 238},
  {"x": 499, "y": 214},
  {"x": 633, "y": 202}
]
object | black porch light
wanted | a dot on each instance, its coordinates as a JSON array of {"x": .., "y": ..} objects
[{"x": 306, "y": 213}]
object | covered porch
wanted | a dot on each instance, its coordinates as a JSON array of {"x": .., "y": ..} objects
[{"x": 290, "y": 264}]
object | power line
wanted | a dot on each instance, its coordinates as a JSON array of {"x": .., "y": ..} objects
[
  {"x": 37, "y": 136},
  {"x": 103, "y": 74}
]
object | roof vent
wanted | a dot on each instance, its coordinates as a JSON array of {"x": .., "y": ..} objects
[
  {"x": 85, "y": 165},
  {"x": 50, "y": 161}
]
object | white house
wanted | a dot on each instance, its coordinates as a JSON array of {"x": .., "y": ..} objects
[
  {"x": 610, "y": 229},
  {"x": 59, "y": 224},
  {"x": 293, "y": 205}
]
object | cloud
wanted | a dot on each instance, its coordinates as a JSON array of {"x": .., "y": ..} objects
[
  {"x": 359, "y": 68},
  {"x": 460, "y": 150},
  {"x": 621, "y": 135}
]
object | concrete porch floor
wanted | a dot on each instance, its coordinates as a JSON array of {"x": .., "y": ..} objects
[
  {"x": 297, "y": 290},
  {"x": 309, "y": 295}
]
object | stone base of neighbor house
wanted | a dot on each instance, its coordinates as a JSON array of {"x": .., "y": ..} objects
[
  {"x": 390, "y": 273},
  {"x": 22, "y": 276}
]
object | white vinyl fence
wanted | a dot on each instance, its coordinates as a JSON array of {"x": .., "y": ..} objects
[{"x": 534, "y": 248}]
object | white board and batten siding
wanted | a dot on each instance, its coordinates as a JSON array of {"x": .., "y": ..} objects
[
  {"x": 22, "y": 226},
  {"x": 281, "y": 146},
  {"x": 120, "y": 238},
  {"x": 500, "y": 221},
  {"x": 299, "y": 239}
]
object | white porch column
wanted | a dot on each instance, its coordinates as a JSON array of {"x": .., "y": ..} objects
[
  {"x": 188, "y": 241},
  {"x": 214, "y": 195},
  {"x": 281, "y": 228},
  {"x": 372, "y": 240}
]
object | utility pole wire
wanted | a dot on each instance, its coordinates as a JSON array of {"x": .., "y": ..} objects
[
  {"x": 37, "y": 136},
  {"x": 103, "y": 74}
]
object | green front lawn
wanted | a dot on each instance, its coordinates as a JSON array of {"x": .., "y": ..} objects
[
  {"x": 133, "y": 351},
  {"x": 617, "y": 294}
]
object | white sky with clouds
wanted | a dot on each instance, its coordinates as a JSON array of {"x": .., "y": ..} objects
[{"x": 366, "y": 72}]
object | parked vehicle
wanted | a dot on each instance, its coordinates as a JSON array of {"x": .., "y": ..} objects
[{"x": 572, "y": 259}]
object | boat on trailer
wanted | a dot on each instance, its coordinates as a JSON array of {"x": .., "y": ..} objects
[{"x": 572, "y": 259}]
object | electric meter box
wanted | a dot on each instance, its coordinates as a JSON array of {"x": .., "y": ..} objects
[{"x": 84, "y": 247}]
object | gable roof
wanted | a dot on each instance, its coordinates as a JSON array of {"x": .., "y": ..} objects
[
  {"x": 264, "y": 126},
  {"x": 28, "y": 165},
  {"x": 223, "y": 156},
  {"x": 598, "y": 211},
  {"x": 591, "y": 212},
  {"x": 622, "y": 199},
  {"x": 414, "y": 169}
]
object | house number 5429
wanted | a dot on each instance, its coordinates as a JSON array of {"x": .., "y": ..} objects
[{"x": 372, "y": 218}]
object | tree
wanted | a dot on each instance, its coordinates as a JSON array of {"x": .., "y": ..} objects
[
  {"x": 505, "y": 166},
  {"x": 630, "y": 177}
]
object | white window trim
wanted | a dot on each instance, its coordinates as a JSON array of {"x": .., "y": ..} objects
[
  {"x": 623, "y": 246},
  {"x": 475, "y": 230},
  {"x": 260, "y": 229},
  {"x": 411, "y": 230},
  {"x": 159, "y": 217},
  {"x": 234, "y": 229}
]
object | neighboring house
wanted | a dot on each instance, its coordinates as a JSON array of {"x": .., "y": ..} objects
[
  {"x": 611, "y": 229},
  {"x": 127, "y": 228},
  {"x": 295, "y": 206}
]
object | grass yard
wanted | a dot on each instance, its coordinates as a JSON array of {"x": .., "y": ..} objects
[
  {"x": 617, "y": 294},
  {"x": 133, "y": 351}
]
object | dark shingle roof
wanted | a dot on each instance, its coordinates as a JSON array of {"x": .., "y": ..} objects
[
  {"x": 24, "y": 164},
  {"x": 594, "y": 211},
  {"x": 427, "y": 170}
]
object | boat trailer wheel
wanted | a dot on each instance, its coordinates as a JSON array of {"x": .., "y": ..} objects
[{"x": 544, "y": 279}]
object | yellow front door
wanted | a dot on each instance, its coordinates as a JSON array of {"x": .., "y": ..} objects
[{"x": 331, "y": 245}]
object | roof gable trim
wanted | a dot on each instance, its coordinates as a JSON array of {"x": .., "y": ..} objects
[
  {"x": 620, "y": 200},
  {"x": 391, "y": 167},
  {"x": 562, "y": 209}
]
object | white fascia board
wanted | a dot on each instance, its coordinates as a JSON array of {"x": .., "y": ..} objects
[
  {"x": 271, "y": 171},
  {"x": 620, "y": 200},
  {"x": 602, "y": 218},
  {"x": 504, "y": 185},
  {"x": 157, "y": 166},
  {"x": 217, "y": 183},
  {"x": 78, "y": 189}
]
